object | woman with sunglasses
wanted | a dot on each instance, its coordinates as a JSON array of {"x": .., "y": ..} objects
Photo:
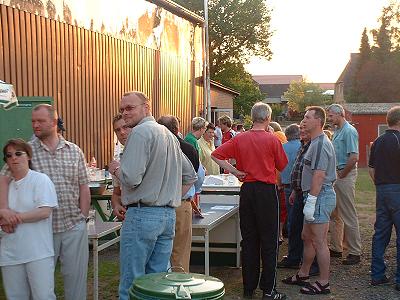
[{"x": 27, "y": 254}]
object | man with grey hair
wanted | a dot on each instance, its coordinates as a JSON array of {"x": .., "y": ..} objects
[
  {"x": 258, "y": 155},
  {"x": 199, "y": 126},
  {"x": 344, "y": 221},
  {"x": 154, "y": 174}
]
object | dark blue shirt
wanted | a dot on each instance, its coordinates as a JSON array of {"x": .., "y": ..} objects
[{"x": 385, "y": 158}]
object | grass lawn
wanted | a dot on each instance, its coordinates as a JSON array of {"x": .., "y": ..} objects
[{"x": 341, "y": 277}]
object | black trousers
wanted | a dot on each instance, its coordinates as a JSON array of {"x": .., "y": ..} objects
[
  {"x": 259, "y": 225},
  {"x": 295, "y": 253}
]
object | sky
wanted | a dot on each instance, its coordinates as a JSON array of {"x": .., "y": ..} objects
[{"x": 314, "y": 38}]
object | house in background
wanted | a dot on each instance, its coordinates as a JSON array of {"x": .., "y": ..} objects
[
  {"x": 345, "y": 81},
  {"x": 370, "y": 121},
  {"x": 274, "y": 86},
  {"x": 222, "y": 98}
]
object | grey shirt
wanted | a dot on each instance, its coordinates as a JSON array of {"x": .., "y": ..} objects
[
  {"x": 319, "y": 156},
  {"x": 153, "y": 167}
]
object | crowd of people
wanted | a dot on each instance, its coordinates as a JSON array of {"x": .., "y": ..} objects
[{"x": 300, "y": 178}]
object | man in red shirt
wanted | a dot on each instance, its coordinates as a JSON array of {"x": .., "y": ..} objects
[
  {"x": 225, "y": 122},
  {"x": 258, "y": 155}
]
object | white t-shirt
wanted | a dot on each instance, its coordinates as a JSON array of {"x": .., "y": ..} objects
[
  {"x": 30, "y": 241},
  {"x": 217, "y": 136}
]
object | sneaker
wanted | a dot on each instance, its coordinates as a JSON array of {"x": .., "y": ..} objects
[
  {"x": 248, "y": 294},
  {"x": 383, "y": 280},
  {"x": 352, "y": 259},
  {"x": 335, "y": 253},
  {"x": 275, "y": 295}
]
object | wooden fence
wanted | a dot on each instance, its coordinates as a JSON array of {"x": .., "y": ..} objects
[{"x": 87, "y": 72}]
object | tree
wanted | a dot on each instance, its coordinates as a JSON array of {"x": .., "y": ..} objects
[
  {"x": 383, "y": 43},
  {"x": 377, "y": 78},
  {"x": 365, "y": 48},
  {"x": 235, "y": 76},
  {"x": 238, "y": 30},
  {"x": 302, "y": 94}
]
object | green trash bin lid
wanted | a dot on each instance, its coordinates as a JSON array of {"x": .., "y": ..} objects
[{"x": 176, "y": 286}]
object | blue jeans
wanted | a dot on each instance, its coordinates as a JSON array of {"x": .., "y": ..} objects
[
  {"x": 326, "y": 203},
  {"x": 387, "y": 215},
  {"x": 146, "y": 244}
]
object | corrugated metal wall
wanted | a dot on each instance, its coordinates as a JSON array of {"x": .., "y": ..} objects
[{"x": 87, "y": 72}]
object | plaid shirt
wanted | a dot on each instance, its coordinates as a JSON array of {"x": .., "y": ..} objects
[
  {"x": 66, "y": 167},
  {"x": 298, "y": 167}
]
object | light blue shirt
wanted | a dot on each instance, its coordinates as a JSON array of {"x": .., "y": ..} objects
[
  {"x": 291, "y": 148},
  {"x": 196, "y": 187},
  {"x": 345, "y": 142}
]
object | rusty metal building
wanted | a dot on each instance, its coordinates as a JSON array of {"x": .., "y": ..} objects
[{"x": 87, "y": 69}]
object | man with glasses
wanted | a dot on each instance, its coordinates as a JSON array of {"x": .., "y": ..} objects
[
  {"x": 154, "y": 174},
  {"x": 65, "y": 164}
]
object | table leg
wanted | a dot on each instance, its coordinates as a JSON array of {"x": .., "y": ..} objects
[
  {"x": 95, "y": 269},
  {"x": 207, "y": 252},
  {"x": 99, "y": 210},
  {"x": 237, "y": 241}
]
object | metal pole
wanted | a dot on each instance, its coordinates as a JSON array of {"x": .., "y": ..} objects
[
  {"x": 207, "y": 86},
  {"x": 204, "y": 72}
]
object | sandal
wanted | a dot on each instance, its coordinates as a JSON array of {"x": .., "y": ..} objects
[
  {"x": 299, "y": 280},
  {"x": 320, "y": 289}
]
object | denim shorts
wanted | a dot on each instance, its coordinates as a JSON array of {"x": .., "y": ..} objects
[{"x": 326, "y": 203}]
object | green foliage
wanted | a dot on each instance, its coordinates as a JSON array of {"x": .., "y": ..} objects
[
  {"x": 302, "y": 94},
  {"x": 235, "y": 77},
  {"x": 277, "y": 110},
  {"x": 247, "y": 122},
  {"x": 238, "y": 30},
  {"x": 365, "y": 48}
]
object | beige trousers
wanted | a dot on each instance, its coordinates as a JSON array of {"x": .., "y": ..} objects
[
  {"x": 344, "y": 227},
  {"x": 182, "y": 247}
]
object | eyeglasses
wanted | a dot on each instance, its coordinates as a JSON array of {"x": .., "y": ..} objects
[
  {"x": 130, "y": 107},
  {"x": 17, "y": 153}
]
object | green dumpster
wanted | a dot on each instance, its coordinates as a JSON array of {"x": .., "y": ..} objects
[
  {"x": 16, "y": 122},
  {"x": 174, "y": 285}
]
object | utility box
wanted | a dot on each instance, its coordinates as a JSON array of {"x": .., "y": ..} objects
[{"x": 16, "y": 122}]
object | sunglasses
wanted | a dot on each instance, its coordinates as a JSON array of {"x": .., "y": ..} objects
[{"x": 17, "y": 153}]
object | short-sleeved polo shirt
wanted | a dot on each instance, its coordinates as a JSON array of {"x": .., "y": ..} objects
[
  {"x": 385, "y": 158},
  {"x": 345, "y": 142},
  {"x": 192, "y": 140},
  {"x": 319, "y": 156}
]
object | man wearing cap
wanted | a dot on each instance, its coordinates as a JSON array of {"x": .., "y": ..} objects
[{"x": 154, "y": 174}]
